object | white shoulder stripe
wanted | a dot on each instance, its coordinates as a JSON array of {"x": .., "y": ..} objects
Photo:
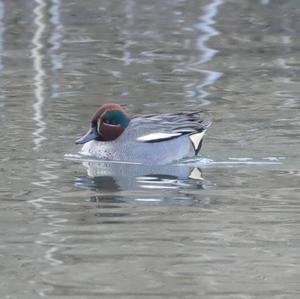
[{"x": 157, "y": 137}]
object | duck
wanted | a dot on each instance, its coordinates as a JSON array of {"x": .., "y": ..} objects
[{"x": 143, "y": 139}]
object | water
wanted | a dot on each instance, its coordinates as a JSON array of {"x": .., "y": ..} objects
[{"x": 225, "y": 225}]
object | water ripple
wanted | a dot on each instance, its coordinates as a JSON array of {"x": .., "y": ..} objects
[{"x": 55, "y": 219}]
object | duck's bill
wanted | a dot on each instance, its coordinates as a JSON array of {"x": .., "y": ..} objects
[{"x": 90, "y": 135}]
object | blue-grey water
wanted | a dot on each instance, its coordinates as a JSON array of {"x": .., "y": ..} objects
[{"x": 225, "y": 225}]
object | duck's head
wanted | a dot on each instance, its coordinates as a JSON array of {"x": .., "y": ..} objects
[{"x": 107, "y": 124}]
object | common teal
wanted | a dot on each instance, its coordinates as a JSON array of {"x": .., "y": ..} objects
[{"x": 147, "y": 139}]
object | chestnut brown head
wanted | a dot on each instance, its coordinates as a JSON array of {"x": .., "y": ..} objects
[{"x": 107, "y": 124}]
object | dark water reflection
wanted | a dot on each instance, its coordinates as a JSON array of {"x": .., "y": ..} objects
[{"x": 224, "y": 226}]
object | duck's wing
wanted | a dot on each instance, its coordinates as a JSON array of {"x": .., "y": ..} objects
[{"x": 158, "y": 128}]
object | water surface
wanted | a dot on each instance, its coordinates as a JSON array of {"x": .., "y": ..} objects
[{"x": 225, "y": 225}]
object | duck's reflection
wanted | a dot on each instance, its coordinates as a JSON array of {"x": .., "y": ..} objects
[{"x": 166, "y": 184}]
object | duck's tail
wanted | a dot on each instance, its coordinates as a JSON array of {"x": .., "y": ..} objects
[{"x": 197, "y": 137}]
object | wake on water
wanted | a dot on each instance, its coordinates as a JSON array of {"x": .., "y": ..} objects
[{"x": 195, "y": 162}]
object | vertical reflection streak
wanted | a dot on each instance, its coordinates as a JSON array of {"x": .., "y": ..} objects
[
  {"x": 55, "y": 42},
  {"x": 207, "y": 31},
  {"x": 265, "y": 2},
  {"x": 2, "y": 29},
  {"x": 289, "y": 100},
  {"x": 44, "y": 204},
  {"x": 127, "y": 57},
  {"x": 56, "y": 35},
  {"x": 39, "y": 88}
]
